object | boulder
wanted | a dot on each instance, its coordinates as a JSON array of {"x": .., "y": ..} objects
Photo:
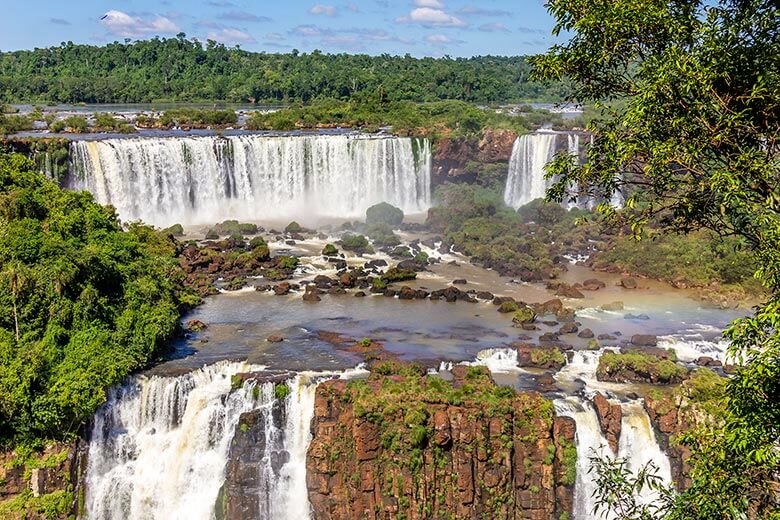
[
  {"x": 628, "y": 283},
  {"x": 610, "y": 418},
  {"x": 644, "y": 340}
]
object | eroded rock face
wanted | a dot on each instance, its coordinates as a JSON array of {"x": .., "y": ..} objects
[
  {"x": 466, "y": 463},
  {"x": 610, "y": 419}
]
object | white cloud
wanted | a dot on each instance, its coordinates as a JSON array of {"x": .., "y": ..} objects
[
  {"x": 327, "y": 10},
  {"x": 436, "y": 4},
  {"x": 122, "y": 24},
  {"x": 428, "y": 16},
  {"x": 441, "y": 40},
  {"x": 274, "y": 36},
  {"x": 230, "y": 36},
  {"x": 493, "y": 27}
]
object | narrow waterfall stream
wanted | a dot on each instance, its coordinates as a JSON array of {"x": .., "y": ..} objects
[{"x": 195, "y": 180}]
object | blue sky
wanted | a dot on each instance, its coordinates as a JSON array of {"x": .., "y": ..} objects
[{"x": 417, "y": 27}]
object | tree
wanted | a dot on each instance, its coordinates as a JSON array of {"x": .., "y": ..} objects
[{"x": 689, "y": 94}]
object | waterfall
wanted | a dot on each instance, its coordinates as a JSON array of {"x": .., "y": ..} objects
[
  {"x": 196, "y": 180},
  {"x": 159, "y": 445},
  {"x": 530, "y": 154},
  {"x": 638, "y": 445},
  {"x": 497, "y": 359},
  {"x": 590, "y": 442}
]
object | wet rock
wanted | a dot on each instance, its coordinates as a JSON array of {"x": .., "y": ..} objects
[
  {"x": 274, "y": 339},
  {"x": 508, "y": 306},
  {"x": 282, "y": 289},
  {"x": 421, "y": 294},
  {"x": 603, "y": 337},
  {"x": 485, "y": 295},
  {"x": 336, "y": 290},
  {"x": 548, "y": 337},
  {"x": 585, "y": 333},
  {"x": 628, "y": 283},
  {"x": 553, "y": 306},
  {"x": 614, "y": 306},
  {"x": 593, "y": 284},
  {"x": 376, "y": 263},
  {"x": 524, "y": 315},
  {"x": 196, "y": 326},
  {"x": 322, "y": 281},
  {"x": 459, "y": 281},
  {"x": 642, "y": 317},
  {"x": 407, "y": 293},
  {"x": 566, "y": 291},
  {"x": 644, "y": 340},
  {"x": 568, "y": 328},
  {"x": 706, "y": 361},
  {"x": 565, "y": 314},
  {"x": 311, "y": 297},
  {"x": 360, "y": 294},
  {"x": 610, "y": 418}
]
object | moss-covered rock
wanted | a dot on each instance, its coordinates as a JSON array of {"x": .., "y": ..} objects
[
  {"x": 637, "y": 366},
  {"x": 384, "y": 213}
]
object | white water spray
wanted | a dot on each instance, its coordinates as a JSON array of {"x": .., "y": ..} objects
[{"x": 195, "y": 180}]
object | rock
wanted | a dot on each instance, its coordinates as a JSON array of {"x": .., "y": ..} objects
[
  {"x": 485, "y": 295},
  {"x": 610, "y": 418},
  {"x": 348, "y": 279},
  {"x": 459, "y": 281},
  {"x": 643, "y": 317},
  {"x": 524, "y": 315},
  {"x": 568, "y": 328},
  {"x": 585, "y": 333},
  {"x": 628, "y": 283},
  {"x": 407, "y": 293},
  {"x": 496, "y": 145},
  {"x": 566, "y": 291},
  {"x": 274, "y": 339},
  {"x": 311, "y": 297},
  {"x": 360, "y": 294},
  {"x": 593, "y": 284},
  {"x": 476, "y": 455},
  {"x": 282, "y": 289},
  {"x": 614, "y": 306},
  {"x": 644, "y": 340},
  {"x": 706, "y": 361},
  {"x": 603, "y": 337},
  {"x": 196, "y": 326},
  {"x": 508, "y": 306},
  {"x": 553, "y": 306}
]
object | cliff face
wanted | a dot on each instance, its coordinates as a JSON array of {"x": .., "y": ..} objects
[
  {"x": 42, "y": 485},
  {"x": 417, "y": 447},
  {"x": 452, "y": 155}
]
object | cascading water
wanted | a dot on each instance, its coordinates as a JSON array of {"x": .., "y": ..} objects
[
  {"x": 525, "y": 181},
  {"x": 159, "y": 446},
  {"x": 205, "y": 179},
  {"x": 638, "y": 445},
  {"x": 590, "y": 442}
]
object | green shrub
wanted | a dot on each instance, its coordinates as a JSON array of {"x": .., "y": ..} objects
[{"x": 384, "y": 213}]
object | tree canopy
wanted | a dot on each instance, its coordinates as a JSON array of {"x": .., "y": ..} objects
[
  {"x": 689, "y": 93},
  {"x": 178, "y": 69},
  {"x": 82, "y": 302}
]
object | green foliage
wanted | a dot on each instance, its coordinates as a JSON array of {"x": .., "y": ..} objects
[
  {"x": 231, "y": 227},
  {"x": 689, "y": 111},
  {"x": 394, "y": 274},
  {"x": 648, "y": 366},
  {"x": 76, "y": 124},
  {"x": 356, "y": 243},
  {"x": 178, "y": 69},
  {"x": 82, "y": 302},
  {"x": 618, "y": 490},
  {"x": 11, "y": 124},
  {"x": 287, "y": 262},
  {"x": 384, "y": 213},
  {"x": 281, "y": 391},
  {"x": 197, "y": 117},
  {"x": 695, "y": 259},
  {"x": 547, "y": 357},
  {"x": 176, "y": 230},
  {"x": 330, "y": 250},
  {"x": 439, "y": 118},
  {"x": 293, "y": 227}
]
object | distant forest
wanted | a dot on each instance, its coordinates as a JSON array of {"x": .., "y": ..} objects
[{"x": 178, "y": 69}]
